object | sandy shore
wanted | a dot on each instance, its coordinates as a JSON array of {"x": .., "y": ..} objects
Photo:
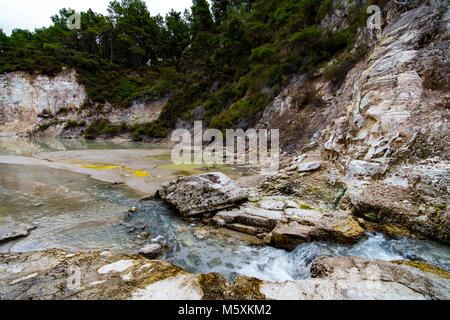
[
  {"x": 143, "y": 170},
  {"x": 134, "y": 168}
]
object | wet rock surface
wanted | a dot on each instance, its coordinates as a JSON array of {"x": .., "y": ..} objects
[
  {"x": 13, "y": 231},
  {"x": 151, "y": 250},
  {"x": 350, "y": 278},
  {"x": 57, "y": 274},
  {"x": 203, "y": 193},
  {"x": 290, "y": 222}
]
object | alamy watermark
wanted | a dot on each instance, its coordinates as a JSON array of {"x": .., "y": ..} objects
[
  {"x": 375, "y": 20},
  {"x": 260, "y": 148},
  {"x": 73, "y": 22}
]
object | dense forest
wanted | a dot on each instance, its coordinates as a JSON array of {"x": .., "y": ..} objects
[{"x": 232, "y": 57}]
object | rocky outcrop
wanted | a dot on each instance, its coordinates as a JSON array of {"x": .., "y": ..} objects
[
  {"x": 26, "y": 100},
  {"x": 391, "y": 106},
  {"x": 351, "y": 278},
  {"x": 413, "y": 196},
  {"x": 13, "y": 231},
  {"x": 56, "y": 274},
  {"x": 284, "y": 222},
  {"x": 381, "y": 134},
  {"x": 59, "y": 275},
  {"x": 42, "y": 105},
  {"x": 203, "y": 193}
]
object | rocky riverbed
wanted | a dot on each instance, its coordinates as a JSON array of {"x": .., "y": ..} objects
[
  {"x": 358, "y": 209},
  {"x": 257, "y": 245},
  {"x": 56, "y": 274}
]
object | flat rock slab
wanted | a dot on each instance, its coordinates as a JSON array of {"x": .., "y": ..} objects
[
  {"x": 203, "y": 193},
  {"x": 14, "y": 230},
  {"x": 352, "y": 278},
  {"x": 60, "y": 275},
  {"x": 289, "y": 222},
  {"x": 365, "y": 168}
]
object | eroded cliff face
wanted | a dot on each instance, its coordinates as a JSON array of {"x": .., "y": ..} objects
[
  {"x": 23, "y": 98},
  {"x": 40, "y": 105},
  {"x": 383, "y": 133}
]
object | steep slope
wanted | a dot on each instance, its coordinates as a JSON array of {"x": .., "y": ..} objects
[
  {"x": 383, "y": 133},
  {"x": 26, "y": 100}
]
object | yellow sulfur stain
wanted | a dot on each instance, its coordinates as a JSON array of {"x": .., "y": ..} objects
[
  {"x": 137, "y": 173},
  {"x": 103, "y": 167}
]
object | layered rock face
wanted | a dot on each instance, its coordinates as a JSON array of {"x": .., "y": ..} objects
[
  {"x": 23, "y": 98},
  {"x": 31, "y": 104},
  {"x": 351, "y": 278},
  {"x": 382, "y": 134},
  {"x": 279, "y": 221},
  {"x": 284, "y": 223},
  {"x": 57, "y": 274}
]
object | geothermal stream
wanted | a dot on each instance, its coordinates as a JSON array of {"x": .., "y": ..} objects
[{"x": 77, "y": 213}]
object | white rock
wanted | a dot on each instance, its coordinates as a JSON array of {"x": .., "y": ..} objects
[
  {"x": 202, "y": 193},
  {"x": 270, "y": 204},
  {"x": 150, "y": 251},
  {"x": 365, "y": 168},
  {"x": 118, "y": 266},
  {"x": 309, "y": 166},
  {"x": 303, "y": 215},
  {"x": 181, "y": 287}
]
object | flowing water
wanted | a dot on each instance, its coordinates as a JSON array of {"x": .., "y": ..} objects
[{"x": 77, "y": 213}]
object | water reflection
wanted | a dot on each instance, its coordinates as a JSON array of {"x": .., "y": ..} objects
[{"x": 32, "y": 145}]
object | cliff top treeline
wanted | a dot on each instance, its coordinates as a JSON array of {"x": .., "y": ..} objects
[{"x": 231, "y": 57}]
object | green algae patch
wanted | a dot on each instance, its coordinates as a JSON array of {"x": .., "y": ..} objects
[
  {"x": 214, "y": 286},
  {"x": 305, "y": 206},
  {"x": 245, "y": 288},
  {"x": 425, "y": 267},
  {"x": 194, "y": 167},
  {"x": 188, "y": 169},
  {"x": 160, "y": 157},
  {"x": 137, "y": 173}
]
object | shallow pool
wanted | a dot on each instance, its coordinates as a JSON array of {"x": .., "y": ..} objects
[{"x": 74, "y": 212}]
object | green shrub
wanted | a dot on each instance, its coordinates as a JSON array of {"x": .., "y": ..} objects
[
  {"x": 245, "y": 109},
  {"x": 337, "y": 71},
  {"x": 71, "y": 124},
  {"x": 263, "y": 54}
]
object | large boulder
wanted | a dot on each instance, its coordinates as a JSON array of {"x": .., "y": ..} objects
[
  {"x": 313, "y": 225},
  {"x": 415, "y": 199},
  {"x": 203, "y": 193}
]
